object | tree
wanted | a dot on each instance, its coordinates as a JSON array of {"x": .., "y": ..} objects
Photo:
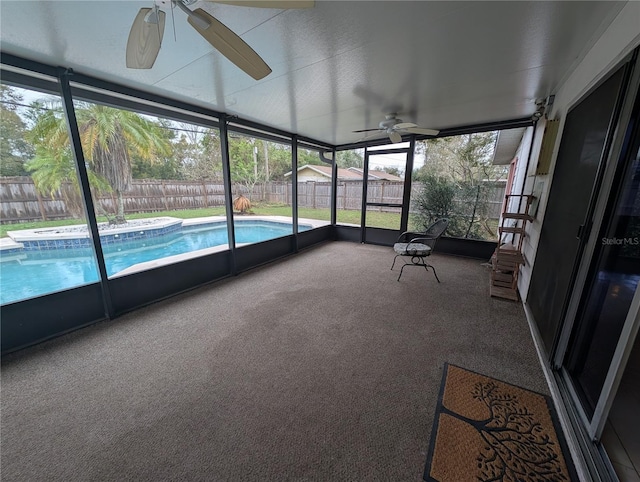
[
  {"x": 433, "y": 200},
  {"x": 394, "y": 171},
  {"x": 309, "y": 157},
  {"x": 199, "y": 154},
  {"x": 243, "y": 159},
  {"x": 52, "y": 167},
  {"x": 54, "y": 172},
  {"x": 110, "y": 139},
  {"x": 14, "y": 148},
  {"x": 465, "y": 158},
  {"x": 167, "y": 165},
  {"x": 463, "y": 163},
  {"x": 254, "y": 161},
  {"x": 277, "y": 160},
  {"x": 350, "y": 158}
]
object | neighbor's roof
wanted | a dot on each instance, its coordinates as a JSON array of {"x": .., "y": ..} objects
[
  {"x": 326, "y": 172},
  {"x": 377, "y": 175},
  {"x": 353, "y": 173}
]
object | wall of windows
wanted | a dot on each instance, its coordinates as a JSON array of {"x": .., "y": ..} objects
[
  {"x": 350, "y": 164},
  {"x": 45, "y": 246},
  {"x": 156, "y": 183},
  {"x": 160, "y": 183},
  {"x": 167, "y": 194},
  {"x": 157, "y": 187},
  {"x": 262, "y": 196},
  {"x": 314, "y": 176},
  {"x": 158, "y": 190},
  {"x": 454, "y": 177}
]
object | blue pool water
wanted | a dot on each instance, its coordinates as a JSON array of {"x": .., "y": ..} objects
[{"x": 34, "y": 273}]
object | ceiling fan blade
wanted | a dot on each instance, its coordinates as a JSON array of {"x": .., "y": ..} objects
[
  {"x": 395, "y": 137},
  {"x": 367, "y": 130},
  {"x": 423, "y": 131},
  {"x": 405, "y": 125},
  {"x": 145, "y": 38},
  {"x": 377, "y": 135},
  {"x": 229, "y": 44},
  {"x": 282, "y": 4}
]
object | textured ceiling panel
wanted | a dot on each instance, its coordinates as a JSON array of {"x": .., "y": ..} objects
[{"x": 338, "y": 67}]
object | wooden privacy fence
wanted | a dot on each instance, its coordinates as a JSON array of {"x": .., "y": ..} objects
[
  {"x": 21, "y": 202},
  {"x": 349, "y": 194}
]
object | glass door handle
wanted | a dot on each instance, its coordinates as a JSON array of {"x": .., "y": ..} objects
[{"x": 583, "y": 231}]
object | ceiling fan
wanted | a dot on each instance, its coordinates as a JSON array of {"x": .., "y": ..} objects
[
  {"x": 394, "y": 128},
  {"x": 147, "y": 30}
]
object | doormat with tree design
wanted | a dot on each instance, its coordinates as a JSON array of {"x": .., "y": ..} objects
[{"x": 488, "y": 430}]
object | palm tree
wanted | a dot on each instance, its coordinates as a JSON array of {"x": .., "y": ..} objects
[
  {"x": 110, "y": 138},
  {"x": 52, "y": 167}
]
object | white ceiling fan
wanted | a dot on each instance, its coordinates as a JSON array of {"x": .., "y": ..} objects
[
  {"x": 394, "y": 127},
  {"x": 147, "y": 30}
]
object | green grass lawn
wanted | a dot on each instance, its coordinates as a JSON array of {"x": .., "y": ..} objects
[{"x": 374, "y": 218}]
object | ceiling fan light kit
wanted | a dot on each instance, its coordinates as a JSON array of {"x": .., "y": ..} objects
[{"x": 145, "y": 36}]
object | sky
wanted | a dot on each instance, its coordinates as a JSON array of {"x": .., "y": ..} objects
[{"x": 379, "y": 162}]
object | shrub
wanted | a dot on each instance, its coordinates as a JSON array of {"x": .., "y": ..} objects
[{"x": 462, "y": 203}]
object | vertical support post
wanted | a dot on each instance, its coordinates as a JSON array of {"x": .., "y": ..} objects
[
  {"x": 334, "y": 189},
  {"x": 406, "y": 194},
  {"x": 228, "y": 195},
  {"x": 81, "y": 170},
  {"x": 294, "y": 189},
  {"x": 365, "y": 185}
]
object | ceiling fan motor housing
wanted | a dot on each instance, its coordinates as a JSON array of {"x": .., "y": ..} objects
[
  {"x": 167, "y": 3},
  {"x": 389, "y": 122}
]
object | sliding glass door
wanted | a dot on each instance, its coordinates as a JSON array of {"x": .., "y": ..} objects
[
  {"x": 608, "y": 296},
  {"x": 565, "y": 230},
  {"x": 598, "y": 365},
  {"x": 600, "y": 306}
]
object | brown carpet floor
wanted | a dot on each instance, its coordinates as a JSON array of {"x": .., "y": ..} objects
[{"x": 318, "y": 367}]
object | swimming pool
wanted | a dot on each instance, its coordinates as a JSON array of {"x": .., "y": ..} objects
[{"x": 34, "y": 273}]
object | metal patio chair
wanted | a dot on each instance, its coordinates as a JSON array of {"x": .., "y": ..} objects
[{"x": 418, "y": 245}]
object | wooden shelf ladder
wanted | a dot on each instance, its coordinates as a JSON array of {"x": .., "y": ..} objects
[{"x": 508, "y": 257}]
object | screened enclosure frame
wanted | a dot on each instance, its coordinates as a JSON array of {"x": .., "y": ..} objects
[{"x": 30, "y": 321}]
